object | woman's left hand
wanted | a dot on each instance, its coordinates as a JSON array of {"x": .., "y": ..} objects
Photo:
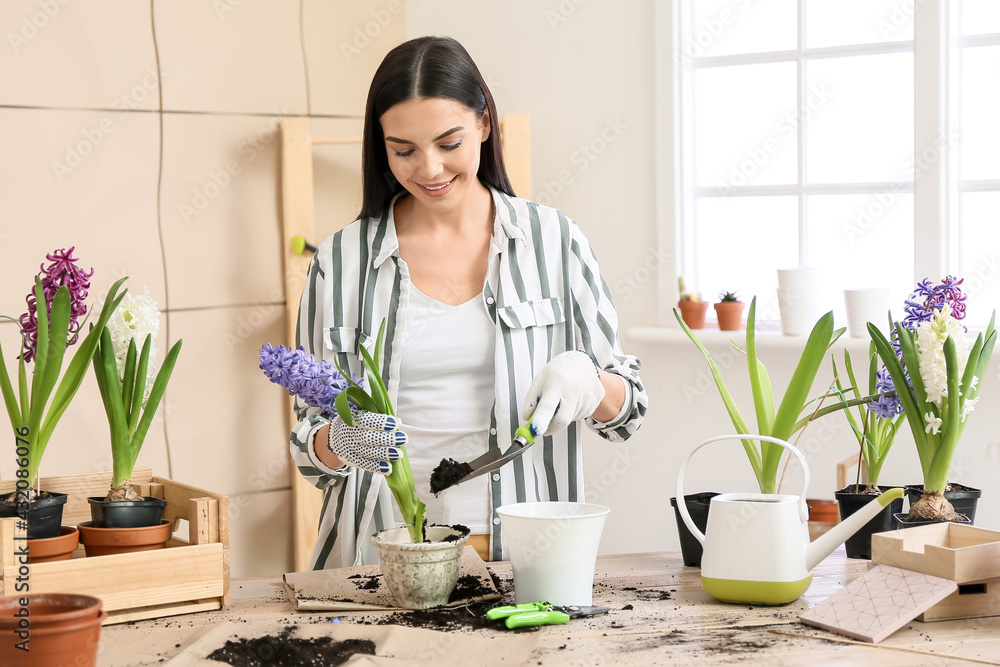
[{"x": 567, "y": 388}]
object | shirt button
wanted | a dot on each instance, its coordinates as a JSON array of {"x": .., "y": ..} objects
[
  {"x": 496, "y": 521},
  {"x": 489, "y": 300},
  {"x": 496, "y": 477},
  {"x": 493, "y": 431}
]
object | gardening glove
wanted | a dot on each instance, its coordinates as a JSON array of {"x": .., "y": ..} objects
[
  {"x": 370, "y": 444},
  {"x": 567, "y": 388}
]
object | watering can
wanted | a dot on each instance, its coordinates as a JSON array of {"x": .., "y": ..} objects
[{"x": 756, "y": 545}]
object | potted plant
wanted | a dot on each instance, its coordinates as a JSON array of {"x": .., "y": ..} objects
[
  {"x": 936, "y": 374},
  {"x": 729, "y": 310},
  {"x": 131, "y": 389},
  {"x": 692, "y": 307},
  {"x": 52, "y": 323},
  {"x": 875, "y": 428},
  {"x": 408, "y": 555},
  {"x": 764, "y": 457}
]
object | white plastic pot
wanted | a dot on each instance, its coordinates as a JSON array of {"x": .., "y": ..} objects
[
  {"x": 420, "y": 576},
  {"x": 553, "y": 550}
]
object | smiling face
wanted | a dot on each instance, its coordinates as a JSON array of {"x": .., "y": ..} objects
[{"x": 433, "y": 147}]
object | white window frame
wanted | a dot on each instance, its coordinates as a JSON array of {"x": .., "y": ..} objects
[{"x": 936, "y": 190}]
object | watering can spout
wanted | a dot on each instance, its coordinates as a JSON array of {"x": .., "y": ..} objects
[{"x": 826, "y": 543}]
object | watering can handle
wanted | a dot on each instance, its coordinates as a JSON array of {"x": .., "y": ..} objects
[{"x": 682, "y": 506}]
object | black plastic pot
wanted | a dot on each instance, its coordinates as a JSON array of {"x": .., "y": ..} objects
[
  {"x": 859, "y": 545},
  {"x": 903, "y": 522},
  {"x": 44, "y": 514},
  {"x": 964, "y": 498},
  {"x": 126, "y": 513},
  {"x": 697, "y": 505}
]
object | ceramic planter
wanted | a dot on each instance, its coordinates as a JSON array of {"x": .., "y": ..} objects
[
  {"x": 420, "y": 576},
  {"x": 553, "y": 550},
  {"x": 44, "y": 515},
  {"x": 126, "y": 513},
  {"x": 49, "y": 549},
  {"x": 62, "y": 629},
  {"x": 104, "y": 541},
  {"x": 964, "y": 498},
  {"x": 697, "y": 505},
  {"x": 730, "y": 314},
  {"x": 693, "y": 313},
  {"x": 859, "y": 545}
]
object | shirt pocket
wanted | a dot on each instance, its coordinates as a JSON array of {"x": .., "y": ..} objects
[
  {"x": 539, "y": 313},
  {"x": 346, "y": 340}
]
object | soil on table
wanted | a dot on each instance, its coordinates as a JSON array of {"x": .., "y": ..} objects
[
  {"x": 447, "y": 473},
  {"x": 467, "y": 617},
  {"x": 286, "y": 651},
  {"x": 367, "y": 582}
]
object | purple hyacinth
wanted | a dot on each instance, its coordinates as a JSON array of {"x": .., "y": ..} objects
[
  {"x": 62, "y": 271},
  {"x": 886, "y": 407},
  {"x": 928, "y": 298},
  {"x": 316, "y": 383}
]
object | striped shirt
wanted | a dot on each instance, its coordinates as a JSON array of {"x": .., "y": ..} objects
[{"x": 545, "y": 295}]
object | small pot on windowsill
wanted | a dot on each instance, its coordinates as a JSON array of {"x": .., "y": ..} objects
[
  {"x": 693, "y": 313},
  {"x": 730, "y": 315}
]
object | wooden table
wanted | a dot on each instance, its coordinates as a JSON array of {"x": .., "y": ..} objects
[{"x": 672, "y": 621}]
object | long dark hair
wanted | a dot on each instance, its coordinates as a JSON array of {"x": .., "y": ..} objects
[{"x": 421, "y": 68}]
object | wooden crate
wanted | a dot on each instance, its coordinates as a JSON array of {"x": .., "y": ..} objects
[
  {"x": 187, "y": 576},
  {"x": 967, "y": 555}
]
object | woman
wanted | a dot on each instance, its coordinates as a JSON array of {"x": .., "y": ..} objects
[{"x": 495, "y": 310}]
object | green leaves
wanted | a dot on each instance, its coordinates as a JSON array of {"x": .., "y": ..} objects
[
  {"x": 764, "y": 456},
  {"x": 128, "y": 419},
  {"x": 400, "y": 480},
  {"x": 31, "y": 406},
  {"x": 935, "y": 450}
]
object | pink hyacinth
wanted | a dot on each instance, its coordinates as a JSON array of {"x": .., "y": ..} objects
[{"x": 62, "y": 271}]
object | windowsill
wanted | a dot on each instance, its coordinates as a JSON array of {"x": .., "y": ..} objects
[{"x": 769, "y": 336}]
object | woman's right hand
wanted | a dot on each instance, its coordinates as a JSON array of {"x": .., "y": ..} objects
[{"x": 371, "y": 444}]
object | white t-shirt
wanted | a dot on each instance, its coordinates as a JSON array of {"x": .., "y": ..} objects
[{"x": 446, "y": 392}]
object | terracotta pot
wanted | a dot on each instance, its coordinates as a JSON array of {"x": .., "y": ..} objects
[
  {"x": 104, "y": 541},
  {"x": 822, "y": 516},
  {"x": 54, "y": 548},
  {"x": 730, "y": 314},
  {"x": 693, "y": 313},
  {"x": 60, "y": 629}
]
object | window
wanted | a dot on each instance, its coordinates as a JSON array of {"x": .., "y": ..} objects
[{"x": 822, "y": 133}]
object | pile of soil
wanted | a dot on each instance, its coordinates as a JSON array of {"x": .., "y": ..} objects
[
  {"x": 286, "y": 651},
  {"x": 367, "y": 583},
  {"x": 469, "y": 586},
  {"x": 447, "y": 473},
  {"x": 468, "y": 617}
]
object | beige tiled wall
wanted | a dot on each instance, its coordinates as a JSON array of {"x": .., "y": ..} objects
[{"x": 183, "y": 195}]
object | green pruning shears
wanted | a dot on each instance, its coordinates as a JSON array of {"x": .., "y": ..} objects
[{"x": 540, "y": 613}]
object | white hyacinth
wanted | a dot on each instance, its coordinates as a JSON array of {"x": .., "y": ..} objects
[
  {"x": 931, "y": 336},
  {"x": 136, "y": 317}
]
